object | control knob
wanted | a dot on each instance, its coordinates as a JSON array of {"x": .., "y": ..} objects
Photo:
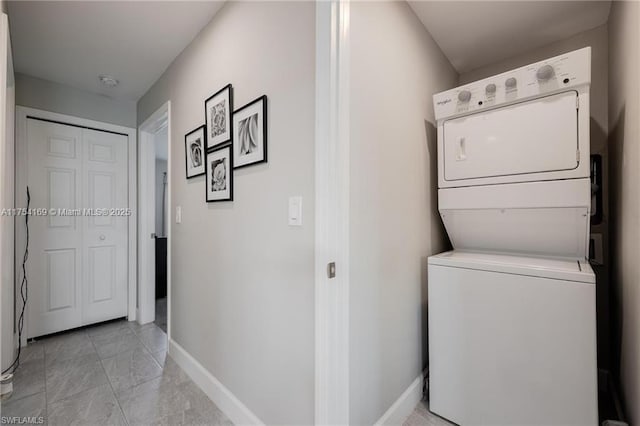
[
  {"x": 490, "y": 89},
  {"x": 464, "y": 96},
  {"x": 511, "y": 83},
  {"x": 544, "y": 73}
]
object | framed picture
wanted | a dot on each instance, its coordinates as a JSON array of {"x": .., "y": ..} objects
[
  {"x": 250, "y": 133},
  {"x": 219, "y": 112},
  {"x": 194, "y": 147},
  {"x": 219, "y": 174}
]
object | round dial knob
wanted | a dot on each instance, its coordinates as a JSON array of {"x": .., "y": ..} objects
[
  {"x": 490, "y": 89},
  {"x": 545, "y": 72},
  {"x": 464, "y": 96},
  {"x": 511, "y": 82}
]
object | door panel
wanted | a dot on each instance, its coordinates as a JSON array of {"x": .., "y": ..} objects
[
  {"x": 101, "y": 195},
  {"x": 78, "y": 268},
  {"x": 102, "y": 273},
  {"x": 61, "y": 282},
  {"x": 530, "y": 137},
  {"x": 105, "y": 235},
  {"x": 54, "y": 267},
  {"x": 62, "y": 192}
]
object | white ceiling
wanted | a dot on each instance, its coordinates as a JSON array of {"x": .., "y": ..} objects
[
  {"x": 473, "y": 34},
  {"x": 72, "y": 42}
]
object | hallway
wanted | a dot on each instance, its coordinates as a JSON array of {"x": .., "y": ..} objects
[{"x": 116, "y": 373}]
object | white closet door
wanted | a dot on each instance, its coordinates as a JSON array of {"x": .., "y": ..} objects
[
  {"x": 77, "y": 265},
  {"x": 54, "y": 268},
  {"x": 104, "y": 190}
]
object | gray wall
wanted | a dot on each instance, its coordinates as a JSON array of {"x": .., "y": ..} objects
[
  {"x": 394, "y": 226},
  {"x": 597, "y": 38},
  {"x": 243, "y": 280},
  {"x": 49, "y": 96},
  {"x": 624, "y": 111}
]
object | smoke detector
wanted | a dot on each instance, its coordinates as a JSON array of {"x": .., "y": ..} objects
[{"x": 108, "y": 81}]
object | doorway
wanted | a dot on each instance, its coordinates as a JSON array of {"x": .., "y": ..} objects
[
  {"x": 154, "y": 230},
  {"x": 81, "y": 177},
  {"x": 161, "y": 182}
]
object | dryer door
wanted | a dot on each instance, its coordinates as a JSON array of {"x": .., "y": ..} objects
[{"x": 530, "y": 137}]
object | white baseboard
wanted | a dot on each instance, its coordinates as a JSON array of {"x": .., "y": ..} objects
[
  {"x": 404, "y": 405},
  {"x": 216, "y": 391}
]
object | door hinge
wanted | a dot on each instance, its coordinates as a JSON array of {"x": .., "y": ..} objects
[{"x": 331, "y": 270}]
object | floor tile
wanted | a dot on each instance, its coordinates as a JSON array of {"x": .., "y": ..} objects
[
  {"x": 153, "y": 338},
  {"x": 97, "y": 406},
  {"x": 107, "y": 328},
  {"x": 108, "y": 374},
  {"x": 136, "y": 328},
  {"x": 74, "y": 376},
  {"x": 28, "y": 379},
  {"x": 160, "y": 357},
  {"x": 153, "y": 401},
  {"x": 112, "y": 344},
  {"x": 66, "y": 346},
  {"x": 131, "y": 368},
  {"x": 421, "y": 416},
  {"x": 32, "y": 353},
  {"x": 171, "y": 372},
  {"x": 31, "y": 406},
  {"x": 169, "y": 400},
  {"x": 202, "y": 407}
]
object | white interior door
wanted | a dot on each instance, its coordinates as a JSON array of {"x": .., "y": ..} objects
[
  {"x": 77, "y": 267},
  {"x": 105, "y": 236},
  {"x": 54, "y": 267}
]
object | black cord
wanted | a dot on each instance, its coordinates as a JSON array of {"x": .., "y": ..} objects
[{"x": 23, "y": 291}]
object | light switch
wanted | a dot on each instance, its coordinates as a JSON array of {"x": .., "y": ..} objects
[
  {"x": 295, "y": 211},
  {"x": 179, "y": 214}
]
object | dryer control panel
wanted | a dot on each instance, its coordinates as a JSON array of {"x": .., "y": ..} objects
[{"x": 561, "y": 73}]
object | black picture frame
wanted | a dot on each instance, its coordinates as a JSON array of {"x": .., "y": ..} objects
[
  {"x": 243, "y": 118},
  {"x": 215, "y": 136},
  {"x": 189, "y": 151},
  {"x": 224, "y": 153}
]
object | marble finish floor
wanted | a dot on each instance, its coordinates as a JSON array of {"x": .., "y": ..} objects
[
  {"x": 117, "y": 373},
  {"x": 421, "y": 416}
]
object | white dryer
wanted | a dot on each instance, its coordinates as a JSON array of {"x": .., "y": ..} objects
[{"x": 512, "y": 332}]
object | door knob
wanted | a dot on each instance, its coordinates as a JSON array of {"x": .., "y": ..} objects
[{"x": 102, "y": 237}]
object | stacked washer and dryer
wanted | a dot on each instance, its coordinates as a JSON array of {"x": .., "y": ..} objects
[{"x": 512, "y": 310}]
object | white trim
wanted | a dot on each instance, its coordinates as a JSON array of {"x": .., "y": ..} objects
[
  {"x": 404, "y": 405},
  {"x": 146, "y": 219},
  {"x": 8, "y": 338},
  {"x": 332, "y": 213},
  {"x": 21, "y": 200},
  {"x": 169, "y": 227},
  {"x": 213, "y": 388}
]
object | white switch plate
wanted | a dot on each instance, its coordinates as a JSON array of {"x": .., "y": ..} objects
[
  {"x": 179, "y": 214},
  {"x": 295, "y": 211}
]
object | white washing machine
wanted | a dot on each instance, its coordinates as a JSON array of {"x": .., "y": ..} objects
[{"x": 512, "y": 325}]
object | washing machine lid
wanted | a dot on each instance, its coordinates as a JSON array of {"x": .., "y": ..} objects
[{"x": 559, "y": 269}]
